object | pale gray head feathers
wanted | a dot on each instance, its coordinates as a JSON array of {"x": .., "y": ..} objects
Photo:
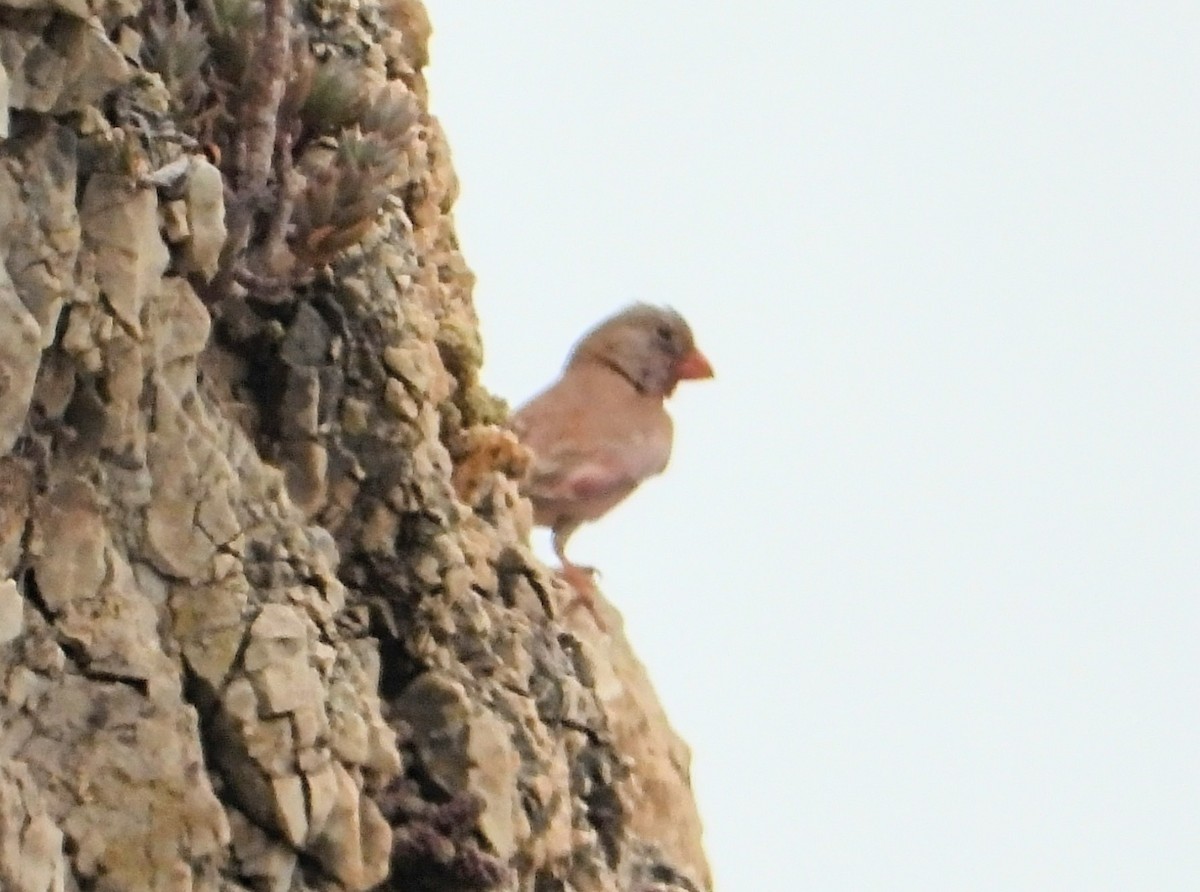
[{"x": 642, "y": 343}]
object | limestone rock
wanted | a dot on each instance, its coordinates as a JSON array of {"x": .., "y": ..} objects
[
  {"x": 19, "y": 353},
  {"x": 4, "y": 102},
  {"x": 268, "y": 615},
  {"x": 59, "y": 63},
  {"x": 77, "y": 8},
  {"x": 31, "y": 845},
  {"x": 120, "y": 225},
  {"x": 39, "y": 239},
  {"x": 12, "y": 608},
  {"x": 123, "y": 777},
  {"x": 205, "y": 203}
]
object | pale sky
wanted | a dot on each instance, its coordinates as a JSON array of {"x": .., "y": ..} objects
[{"x": 921, "y": 586}]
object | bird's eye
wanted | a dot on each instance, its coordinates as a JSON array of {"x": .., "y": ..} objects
[{"x": 664, "y": 333}]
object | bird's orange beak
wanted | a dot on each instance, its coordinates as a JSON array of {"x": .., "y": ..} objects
[{"x": 693, "y": 365}]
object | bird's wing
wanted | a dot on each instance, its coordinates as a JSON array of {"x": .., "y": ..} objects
[
  {"x": 590, "y": 442},
  {"x": 567, "y": 477},
  {"x": 570, "y": 471}
]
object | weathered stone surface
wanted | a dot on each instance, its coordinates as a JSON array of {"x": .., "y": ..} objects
[
  {"x": 205, "y": 203},
  {"x": 353, "y": 841},
  {"x": 268, "y": 615},
  {"x": 209, "y": 621},
  {"x": 657, "y": 788},
  {"x": 90, "y": 589},
  {"x": 31, "y": 845},
  {"x": 59, "y": 63},
  {"x": 19, "y": 354},
  {"x": 4, "y": 102},
  {"x": 12, "y": 608},
  {"x": 76, "y": 8},
  {"x": 120, "y": 225},
  {"x": 124, "y": 779},
  {"x": 39, "y": 240},
  {"x": 263, "y": 860}
]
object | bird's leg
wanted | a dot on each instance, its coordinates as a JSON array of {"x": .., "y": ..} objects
[{"x": 580, "y": 578}]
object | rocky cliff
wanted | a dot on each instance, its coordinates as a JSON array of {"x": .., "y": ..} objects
[{"x": 268, "y": 615}]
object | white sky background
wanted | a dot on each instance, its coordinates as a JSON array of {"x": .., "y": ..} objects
[{"x": 921, "y": 586}]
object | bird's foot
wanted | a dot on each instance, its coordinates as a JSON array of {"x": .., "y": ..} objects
[{"x": 583, "y": 581}]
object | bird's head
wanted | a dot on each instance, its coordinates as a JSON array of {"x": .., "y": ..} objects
[{"x": 652, "y": 347}]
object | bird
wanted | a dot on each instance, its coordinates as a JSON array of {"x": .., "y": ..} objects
[{"x": 602, "y": 428}]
